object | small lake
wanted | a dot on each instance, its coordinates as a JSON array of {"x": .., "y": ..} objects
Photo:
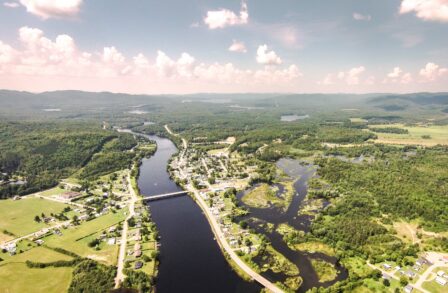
[
  {"x": 190, "y": 258},
  {"x": 291, "y": 118}
]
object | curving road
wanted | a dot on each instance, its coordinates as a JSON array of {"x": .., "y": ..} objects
[{"x": 219, "y": 235}]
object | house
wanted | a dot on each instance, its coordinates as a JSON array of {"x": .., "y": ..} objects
[
  {"x": 421, "y": 261},
  {"x": 387, "y": 266},
  {"x": 410, "y": 274},
  {"x": 39, "y": 242},
  {"x": 111, "y": 241},
  {"x": 137, "y": 246},
  {"x": 441, "y": 281},
  {"x": 408, "y": 289},
  {"x": 69, "y": 195},
  {"x": 112, "y": 229},
  {"x": 138, "y": 265},
  {"x": 440, "y": 273},
  {"x": 137, "y": 253}
]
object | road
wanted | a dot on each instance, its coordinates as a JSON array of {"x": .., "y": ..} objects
[
  {"x": 124, "y": 235},
  {"x": 219, "y": 235},
  {"x": 33, "y": 234}
]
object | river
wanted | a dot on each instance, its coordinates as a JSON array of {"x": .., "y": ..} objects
[{"x": 190, "y": 258}]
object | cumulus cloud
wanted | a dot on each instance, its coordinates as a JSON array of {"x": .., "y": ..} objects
[
  {"x": 359, "y": 16},
  {"x": 396, "y": 72},
  {"x": 397, "y": 75},
  {"x": 222, "y": 18},
  {"x": 52, "y": 8},
  {"x": 11, "y": 4},
  {"x": 237, "y": 47},
  {"x": 46, "y": 60},
  {"x": 432, "y": 71},
  {"x": 350, "y": 77},
  {"x": 430, "y": 10},
  {"x": 267, "y": 57}
]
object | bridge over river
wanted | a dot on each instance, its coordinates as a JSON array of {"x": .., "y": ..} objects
[{"x": 162, "y": 196}]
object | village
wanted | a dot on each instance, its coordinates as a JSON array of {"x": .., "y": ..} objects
[
  {"x": 86, "y": 219},
  {"x": 217, "y": 175}
]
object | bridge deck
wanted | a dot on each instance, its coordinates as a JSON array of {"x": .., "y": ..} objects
[{"x": 164, "y": 195}]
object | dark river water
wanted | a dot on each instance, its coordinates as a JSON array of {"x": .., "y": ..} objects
[
  {"x": 190, "y": 258},
  {"x": 300, "y": 222}
]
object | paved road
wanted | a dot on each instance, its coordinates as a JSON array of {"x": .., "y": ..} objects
[
  {"x": 124, "y": 235},
  {"x": 219, "y": 235}
]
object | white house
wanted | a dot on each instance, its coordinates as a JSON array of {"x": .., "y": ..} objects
[{"x": 441, "y": 281}]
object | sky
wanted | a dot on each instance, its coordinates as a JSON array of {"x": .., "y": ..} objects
[{"x": 198, "y": 46}]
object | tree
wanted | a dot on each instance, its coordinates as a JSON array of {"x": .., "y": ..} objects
[
  {"x": 386, "y": 282},
  {"x": 403, "y": 281},
  {"x": 37, "y": 219}
]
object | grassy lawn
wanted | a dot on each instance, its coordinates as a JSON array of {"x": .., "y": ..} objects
[
  {"x": 437, "y": 135},
  {"x": 53, "y": 191},
  {"x": 18, "y": 215},
  {"x": 434, "y": 287},
  {"x": 18, "y": 278},
  {"x": 75, "y": 239},
  {"x": 324, "y": 270},
  {"x": 15, "y": 276}
]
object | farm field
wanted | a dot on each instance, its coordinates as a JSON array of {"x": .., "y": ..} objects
[
  {"x": 436, "y": 135},
  {"x": 75, "y": 239},
  {"x": 13, "y": 271},
  {"x": 18, "y": 216}
]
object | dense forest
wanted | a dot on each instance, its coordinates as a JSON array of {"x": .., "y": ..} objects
[{"x": 34, "y": 156}]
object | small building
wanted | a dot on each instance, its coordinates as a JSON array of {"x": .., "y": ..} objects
[
  {"x": 16, "y": 197},
  {"x": 138, "y": 265},
  {"x": 441, "y": 281},
  {"x": 408, "y": 289},
  {"x": 421, "y": 261},
  {"x": 440, "y": 273},
  {"x": 112, "y": 229},
  {"x": 69, "y": 195},
  {"x": 410, "y": 274},
  {"x": 39, "y": 242},
  {"x": 387, "y": 266},
  {"x": 111, "y": 241},
  {"x": 137, "y": 253}
]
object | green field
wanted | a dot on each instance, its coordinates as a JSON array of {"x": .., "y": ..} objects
[
  {"x": 437, "y": 135},
  {"x": 18, "y": 215},
  {"x": 75, "y": 239},
  {"x": 16, "y": 277}
]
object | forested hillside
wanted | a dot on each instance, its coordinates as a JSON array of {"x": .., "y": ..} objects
[{"x": 34, "y": 156}]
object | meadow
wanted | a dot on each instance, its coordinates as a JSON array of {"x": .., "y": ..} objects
[
  {"x": 18, "y": 215},
  {"x": 418, "y": 135}
]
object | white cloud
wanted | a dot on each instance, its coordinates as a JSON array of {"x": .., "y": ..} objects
[
  {"x": 11, "y": 4},
  {"x": 432, "y": 71},
  {"x": 350, "y": 77},
  {"x": 53, "y": 8},
  {"x": 224, "y": 17},
  {"x": 267, "y": 57},
  {"x": 397, "y": 75},
  {"x": 359, "y": 16},
  {"x": 396, "y": 72},
  {"x": 431, "y": 10},
  {"x": 237, "y": 47},
  {"x": 58, "y": 63}
]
